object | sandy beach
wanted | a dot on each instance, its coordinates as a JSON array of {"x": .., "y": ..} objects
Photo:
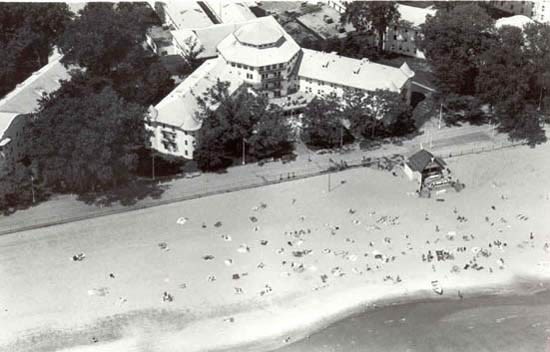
[{"x": 262, "y": 268}]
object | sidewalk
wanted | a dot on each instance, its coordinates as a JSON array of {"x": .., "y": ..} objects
[{"x": 447, "y": 142}]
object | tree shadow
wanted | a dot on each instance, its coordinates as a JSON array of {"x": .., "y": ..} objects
[{"x": 128, "y": 195}]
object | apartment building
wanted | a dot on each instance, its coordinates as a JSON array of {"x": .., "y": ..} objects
[
  {"x": 262, "y": 55},
  {"x": 402, "y": 37}
]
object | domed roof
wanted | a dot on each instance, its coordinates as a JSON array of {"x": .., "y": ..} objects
[{"x": 258, "y": 34}]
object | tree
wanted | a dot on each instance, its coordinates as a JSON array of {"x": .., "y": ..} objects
[
  {"x": 377, "y": 113},
  {"x": 354, "y": 45},
  {"x": 18, "y": 187},
  {"x": 511, "y": 78},
  {"x": 85, "y": 138},
  {"x": 231, "y": 120},
  {"x": 141, "y": 78},
  {"x": 504, "y": 72},
  {"x": 28, "y": 32},
  {"x": 453, "y": 42},
  {"x": 393, "y": 114},
  {"x": 322, "y": 123},
  {"x": 107, "y": 40},
  {"x": 191, "y": 55},
  {"x": 271, "y": 133},
  {"x": 375, "y": 15},
  {"x": 537, "y": 51},
  {"x": 101, "y": 38}
]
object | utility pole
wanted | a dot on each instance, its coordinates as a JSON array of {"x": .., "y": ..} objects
[
  {"x": 32, "y": 189},
  {"x": 153, "y": 165},
  {"x": 540, "y": 98},
  {"x": 244, "y": 154},
  {"x": 440, "y": 116}
]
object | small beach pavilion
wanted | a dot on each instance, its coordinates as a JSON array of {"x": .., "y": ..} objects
[{"x": 426, "y": 169}]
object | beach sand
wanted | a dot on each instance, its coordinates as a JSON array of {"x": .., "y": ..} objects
[{"x": 264, "y": 267}]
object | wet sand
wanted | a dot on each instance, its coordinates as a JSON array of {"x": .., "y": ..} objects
[{"x": 489, "y": 323}]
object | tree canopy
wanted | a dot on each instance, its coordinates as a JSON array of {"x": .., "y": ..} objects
[
  {"x": 244, "y": 117},
  {"x": 453, "y": 42},
  {"x": 330, "y": 121},
  {"x": 107, "y": 41},
  {"x": 322, "y": 123},
  {"x": 85, "y": 137},
  {"x": 514, "y": 77},
  {"x": 28, "y": 32},
  {"x": 372, "y": 15}
]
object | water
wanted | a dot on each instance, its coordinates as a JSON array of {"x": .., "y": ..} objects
[{"x": 513, "y": 323}]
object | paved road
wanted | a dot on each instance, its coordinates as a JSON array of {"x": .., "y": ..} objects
[
  {"x": 67, "y": 208},
  {"x": 496, "y": 324}
]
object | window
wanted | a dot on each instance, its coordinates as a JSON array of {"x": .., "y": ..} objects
[
  {"x": 281, "y": 65},
  {"x": 249, "y": 75},
  {"x": 233, "y": 64},
  {"x": 394, "y": 37},
  {"x": 186, "y": 142},
  {"x": 185, "y": 152},
  {"x": 239, "y": 66}
]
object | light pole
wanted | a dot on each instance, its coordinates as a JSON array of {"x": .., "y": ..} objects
[
  {"x": 540, "y": 98},
  {"x": 153, "y": 165},
  {"x": 440, "y": 116},
  {"x": 32, "y": 189},
  {"x": 244, "y": 154}
]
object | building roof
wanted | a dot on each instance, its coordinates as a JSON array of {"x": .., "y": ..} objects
[
  {"x": 415, "y": 15},
  {"x": 258, "y": 34},
  {"x": 230, "y": 12},
  {"x": 182, "y": 35},
  {"x": 186, "y": 14},
  {"x": 211, "y": 36},
  {"x": 515, "y": 21},
  {"x": 345, "y": 71},
  {"x": 6, "y": 118},
  {"x": 419, "y": 160},
  {"x": 234, "y": 51},
  {"x": 179, "y": 107},
  {"x": 24, "y": 99}
]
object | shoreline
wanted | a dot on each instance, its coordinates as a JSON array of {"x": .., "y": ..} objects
[{"x": 273, "y": 337}]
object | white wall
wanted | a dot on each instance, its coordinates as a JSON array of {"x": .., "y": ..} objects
[
  {"x": 402, "y": 40},
  {"x": 184, "y": 141}
]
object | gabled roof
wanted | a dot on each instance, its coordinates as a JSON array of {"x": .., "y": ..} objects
[
  {"x": 415, "y": 15},
  {"x": 419, "y": 160},
  {"x": 179, "y": 107},
  {"x": 229, "y": 11},
  {"x": 24, "y": 99},
  {"x": 349, "y": 72},
  {"x": 518, "y": 21},
  {"x": 186, "y": 14}
]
